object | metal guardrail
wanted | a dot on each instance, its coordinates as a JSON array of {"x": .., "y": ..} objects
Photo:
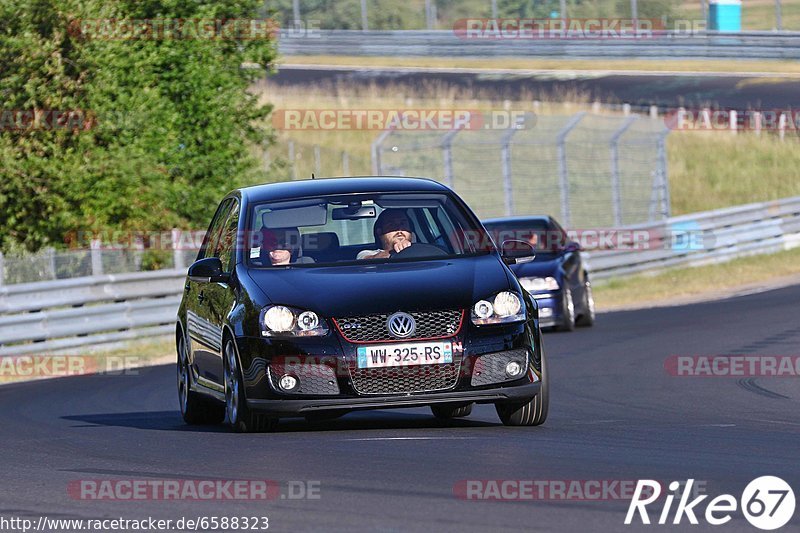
[
  {"x": 62, "y": 314},
  {"x": 53, "y": 315},
  {"x": 447, "y": 44},
  {"x": 705, "y": 238}
]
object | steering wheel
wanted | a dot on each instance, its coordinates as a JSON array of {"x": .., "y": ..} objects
[{"x": 417, "y": 250}]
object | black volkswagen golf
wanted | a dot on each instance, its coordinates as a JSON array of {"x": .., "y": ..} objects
[{"x": 315, "y": 298}]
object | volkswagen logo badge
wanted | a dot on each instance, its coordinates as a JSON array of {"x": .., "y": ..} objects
[{"x": 401, "y": 325}]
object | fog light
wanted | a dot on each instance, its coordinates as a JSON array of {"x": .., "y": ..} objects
[
  {"x": 513, "y": 369},
  {"x": 287, "y": 383}
]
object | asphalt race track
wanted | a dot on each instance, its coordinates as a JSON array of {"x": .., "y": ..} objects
[
  {"x": 671, "y": 90},
  {"x": 616, "y": 414}
]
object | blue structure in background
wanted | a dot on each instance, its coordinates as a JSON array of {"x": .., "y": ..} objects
[{"x": 725, "y": 15}]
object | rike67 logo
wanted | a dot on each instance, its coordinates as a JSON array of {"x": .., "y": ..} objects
[{"x": 767, "y": 503}]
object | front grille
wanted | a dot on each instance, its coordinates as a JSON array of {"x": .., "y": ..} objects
[
  {"x": 405, "y": 379},
  {"x": 372, "y": 328},
  {"x": 491, "y": 367}
]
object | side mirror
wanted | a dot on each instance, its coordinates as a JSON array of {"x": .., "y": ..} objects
[
  {"x": 208, "y": 270},
  {"x": 572, "y": 246},
  {"x": 515, "y": 252}
]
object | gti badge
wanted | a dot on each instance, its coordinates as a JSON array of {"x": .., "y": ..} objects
[{"x": 401, "y": 325}]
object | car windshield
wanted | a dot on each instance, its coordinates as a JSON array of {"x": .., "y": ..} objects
[
  {"x": 543, "y": 235},
  {"x": 361, "y": 228}
]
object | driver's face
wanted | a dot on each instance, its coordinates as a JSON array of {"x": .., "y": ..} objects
[{"x": 395, "y": 228}]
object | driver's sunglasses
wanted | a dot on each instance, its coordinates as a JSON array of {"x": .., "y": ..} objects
[{"x": 395, "y": 225}]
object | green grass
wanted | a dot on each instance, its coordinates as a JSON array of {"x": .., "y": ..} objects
[
  {"x": 695, "y": 281},
  {"x": 131, "y": 354},
  {"x": 653, "y": 65},
  {"x": 710, "y": 170}
]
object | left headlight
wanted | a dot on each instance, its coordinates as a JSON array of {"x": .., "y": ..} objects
[
  {"x": 539, "y": 284},
  {"x": 505, "y": 307},
  {"x": 283, "y": 321}
]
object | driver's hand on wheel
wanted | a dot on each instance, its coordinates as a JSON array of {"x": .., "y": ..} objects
[{"x": 400, "y": 244}]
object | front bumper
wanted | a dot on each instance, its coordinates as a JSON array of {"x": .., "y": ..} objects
[
  {"x": 337, "y": 391},
  {"x": 296, "y": 407},
  {"x": 550, "y": 305}
]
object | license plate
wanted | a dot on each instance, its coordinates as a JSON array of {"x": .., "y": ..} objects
[{"x": 405, "y": 354}]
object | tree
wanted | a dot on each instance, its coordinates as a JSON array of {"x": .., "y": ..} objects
[{"x": 165, "y": 123}]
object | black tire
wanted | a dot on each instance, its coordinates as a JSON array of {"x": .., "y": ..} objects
[
  {"x": 195, "y": 409},
  {"x": 240, "y": 418},
  {"x": 567, "y": 311},
  {"x": 531, "y": 412},
  {"x": 588, "y": 315},
  {"x": 446, "y": 412}
]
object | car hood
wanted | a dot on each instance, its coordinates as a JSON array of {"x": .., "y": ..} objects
[
  {"x": 539, "y": 268},
  {"x": 383, "y": 288}
]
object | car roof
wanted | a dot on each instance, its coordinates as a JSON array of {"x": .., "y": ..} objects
[
  {"x": 286, "y": 190},
  {"x": 515, "y": 220}
]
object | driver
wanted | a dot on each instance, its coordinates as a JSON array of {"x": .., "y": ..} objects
[{"x": 392, "y": 232}]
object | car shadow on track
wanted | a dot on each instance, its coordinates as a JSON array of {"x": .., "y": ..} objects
[{"x": 359, "y": 420}]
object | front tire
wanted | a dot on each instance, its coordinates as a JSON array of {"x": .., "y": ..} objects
[
  {"x": 588, "y": 315},
  {"x": 532, "y": 412},
  {"x": 195, "y": 409},
  {"x": 446, "y": 412},
  {"x": 567, "y": 311},
  {"x": 241, "y": 418}
]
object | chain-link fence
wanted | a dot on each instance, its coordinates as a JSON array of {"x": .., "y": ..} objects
[
  {"x": 589, "y": 170},
  {"x": 50, "y": 264}
]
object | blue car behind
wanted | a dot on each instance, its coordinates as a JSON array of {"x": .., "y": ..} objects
[{"x": 557, "y": 277}]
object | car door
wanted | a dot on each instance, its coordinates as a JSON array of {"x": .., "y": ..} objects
[
  {"x": 220, "y": 297},
  {"x": 205, "y": 338}
]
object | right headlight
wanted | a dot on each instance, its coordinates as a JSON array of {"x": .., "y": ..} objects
[
  {"x": 539, "y": 284},
  {"x": 283, "y": 321},
  {"x": 504, "y": 308}
]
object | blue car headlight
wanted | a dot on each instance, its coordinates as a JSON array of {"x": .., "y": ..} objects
[
  {"x": 283, "y": 321},
  {"x": 539, "y": 284},
  {"x": 504, "y": 308}
]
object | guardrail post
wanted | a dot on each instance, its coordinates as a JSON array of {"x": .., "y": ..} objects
[
  {"x": 447, "y": 156},
  {"x": 177, "y": 252},
  {"x": 97, "y": 257},
  {"x": 317, "y": 161},
  {"x": 562, "y": 165},
  {"x": 505, "y": 158},
  {"x": 616, "y": 200},
  {"x": 377, "y": 147},
  {"x": 663, "y": 182},
  {"x": 2, "y": 269}
]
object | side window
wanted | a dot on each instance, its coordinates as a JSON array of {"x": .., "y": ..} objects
[
  {"x": 226, "y": 248},
  {"x": 212, "y": 235}
]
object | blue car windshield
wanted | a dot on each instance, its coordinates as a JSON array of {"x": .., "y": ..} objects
[
  {"x": 539, "y": 233},
  {"x": 361, "y": 228}
]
